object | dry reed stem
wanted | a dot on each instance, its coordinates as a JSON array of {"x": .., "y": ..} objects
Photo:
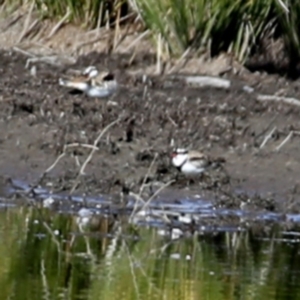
[
  {"x": 55, "y": 163},
  {"x": 206, "y": 81},
  {"x": 64, "y": 153},
  {"x": 146, "y": 203},
  {"x": 100, "y": 13},
  {"x": 177, "y": 64},
  {"x": 26, "y": 23},
  {"x": 19, "y": 50},
  {"x": 82, "y": 169},
  {"x": 289, "y": 136},
  {"x": 122, "y": 38},
  {"x": 13, "y": 21},
  {"x": 287, "y": 100},
  {"x": 93, "y": 41},
  {"x": 265, "y": 130},
  {"x": 96, "y": 143},
  {"x": 59, "y": 24},
  {"x": 117, "y": 30},
  {"x": 135, "y": 41},
  {"x": 29, "y": 30},
  {"x": 171, "y": 120},
  {"x": 159, "y": 55},
  {"x": 147, "y": 175},
  {"x": 267, "y": 137}
]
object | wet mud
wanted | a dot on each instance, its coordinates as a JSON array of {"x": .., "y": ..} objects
[{"x": 39, "y": 121}]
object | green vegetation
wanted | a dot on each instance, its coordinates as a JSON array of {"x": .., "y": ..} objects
[
  {"x": 89, "y": 13},
  {"x": 197, "y": 26},
  {"x": 216, "y": 25},
  {"x": 44, "y": 256}
]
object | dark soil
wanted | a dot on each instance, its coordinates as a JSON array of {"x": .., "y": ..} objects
[{"x": 38, "y": 119}]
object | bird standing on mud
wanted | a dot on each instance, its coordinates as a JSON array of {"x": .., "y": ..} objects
[
  {"x": 192, "y": 162},
  {"x": 92, "y": 83}
]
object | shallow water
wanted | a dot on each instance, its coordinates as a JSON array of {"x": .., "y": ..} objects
[
  {"x": 46, "y": 255},
  {"x": 174, "y": 206}
]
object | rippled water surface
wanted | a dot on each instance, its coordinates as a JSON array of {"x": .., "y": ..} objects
[{"x": 49, "y": 255}]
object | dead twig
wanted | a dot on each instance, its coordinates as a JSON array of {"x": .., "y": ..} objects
[
  {"x": 57, "y": 160},
  {"x": 17, "y": 49},
  {"x": 55, "y": 163},
  {"x": 51, "y": 59},
  {"x": 93, "y": 41},
  {"x": 289, "y": 136},
  {"x": 171, "y": 120},
  {"x": 159, "y": 55},
  {"x": 147, "y": 174},
  {"x": 95, "y": 145},
  {"x": 118, "y": 42},
  {"x": 82, "y": 169},
  {"x": 26, "y": 23},
  {"x": 135, "y": 41},
  {"x": 117, "y": 30},
  {"x": 267, "y": 137},
  {"x": 177, "y": 64},
  {"x": 82, "y": 145},
  {"x": 158, "y": 191},
  {"x": 66, "y": 147},
  {"x": 206, "y": 81},
  {"x": 59, "y": 24},
  {"x": 292, "y": 101},
  {"x": 146, "y": 204},
  {"x": 13, "y": 21},
  {"x": 30, "y": 29},
  {"x": 266, "y": 129}
]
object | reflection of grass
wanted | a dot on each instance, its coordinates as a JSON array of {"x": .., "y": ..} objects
[{"x": 36, "y": 262}]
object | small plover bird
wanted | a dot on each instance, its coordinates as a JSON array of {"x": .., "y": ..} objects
[
  {"x": 189, "y": 162},
  {"x": 92, "y": 83},
  {"x": 192, "y": 162}
]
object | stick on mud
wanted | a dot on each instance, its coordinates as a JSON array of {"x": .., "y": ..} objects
[
  {"x": 289, "y": 136},
  {"x": 268, "y": 136},
  {"x": 292, "y": 101},
  {"x": 95, "y": 145},
  {"x": 82, "y": 169}
]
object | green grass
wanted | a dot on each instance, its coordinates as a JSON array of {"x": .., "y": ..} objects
[
  {"x": 88, "y": 13},
  {"x": 207, "y": 25},
  {"x": 202, "y": 26},
  {"x": 290, "y": 27}
]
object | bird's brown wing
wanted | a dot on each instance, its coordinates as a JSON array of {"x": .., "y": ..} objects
[
  {"x": 199, "y": 159},
  {"x": 79, "y": 78}
]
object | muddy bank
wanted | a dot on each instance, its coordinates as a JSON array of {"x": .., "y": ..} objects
[{"x": 39, "y": 118}]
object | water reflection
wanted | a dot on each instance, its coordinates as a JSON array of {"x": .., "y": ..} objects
[{"x": 45, "y": 255}]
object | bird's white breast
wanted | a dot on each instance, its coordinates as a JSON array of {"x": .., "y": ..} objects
[
  {"x": 189, "y": 168},
  {"x": 82, "y": 86},
  {"x": 100, "y": 92},
  {"x": 179, "y": 160}
]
